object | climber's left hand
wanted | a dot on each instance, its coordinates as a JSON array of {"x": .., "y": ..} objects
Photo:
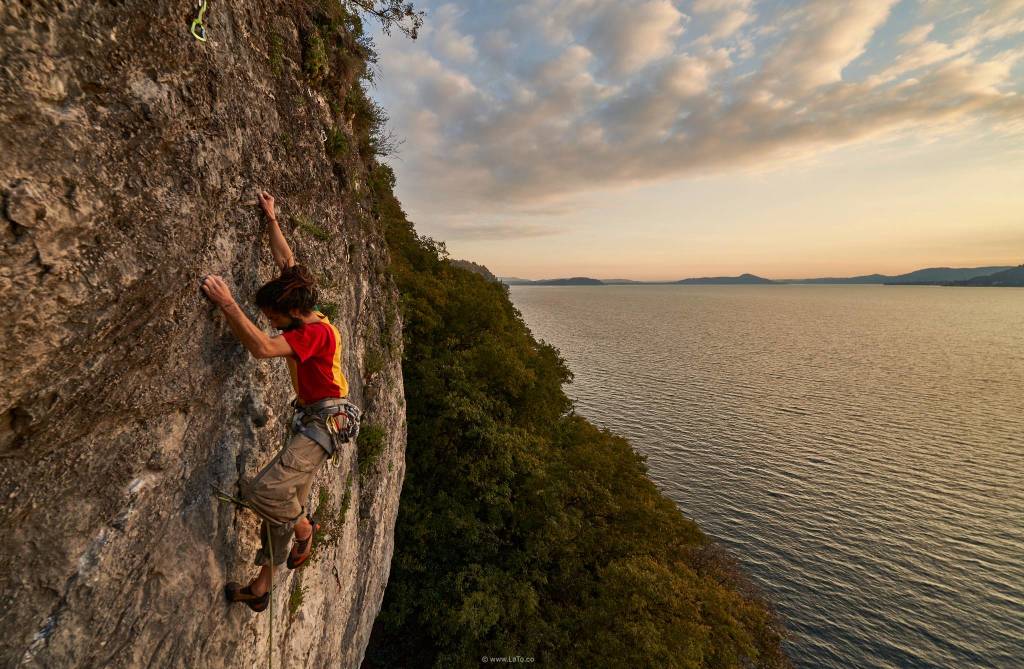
[{"x": 217, "y": 290}]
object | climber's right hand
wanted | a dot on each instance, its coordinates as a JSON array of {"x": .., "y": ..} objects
[
  {"x": 217, "y": 290},
  {"x": 267, "y": 202}
]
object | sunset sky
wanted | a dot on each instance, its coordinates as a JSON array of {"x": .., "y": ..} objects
[{"x": 651, "y": 139}]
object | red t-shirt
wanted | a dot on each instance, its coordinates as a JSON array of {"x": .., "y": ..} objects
[{"x": 316, "y": 366}]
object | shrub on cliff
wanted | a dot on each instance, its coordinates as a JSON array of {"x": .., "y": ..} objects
[{"x": 523, "y": 529}]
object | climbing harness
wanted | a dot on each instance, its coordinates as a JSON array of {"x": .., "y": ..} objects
[
  {"x": 329, "y": 422},
  {"x": 198, "y": 30}
]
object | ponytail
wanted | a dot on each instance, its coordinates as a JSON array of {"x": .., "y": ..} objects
[{"x": 294, "y": 289}]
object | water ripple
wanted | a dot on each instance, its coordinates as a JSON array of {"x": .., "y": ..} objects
[{"x": 859, "y": 448}]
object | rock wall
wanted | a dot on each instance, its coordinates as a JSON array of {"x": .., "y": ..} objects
[{"x": 129, "y": 158}]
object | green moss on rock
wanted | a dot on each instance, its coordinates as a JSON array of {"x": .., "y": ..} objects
[{"x": 370, "y": 444}]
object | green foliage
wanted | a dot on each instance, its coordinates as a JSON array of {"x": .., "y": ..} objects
[
  {"x": 382, "y": 180},
  {"x": 306, "y": 225},
  {"x": 315, "y": 61},
  {"x": 335, "y": 49},
  {"x": 337, "y": 145},
  {"x": 276, "y": 53},
  {"x": 345, "y": 501},
  {"x": 374, "y": 362},
  {"x": 329, "y": 309},
  {"x": 523, "y": 527},
  {"x": 323, "y": 503},
  {"x": 370, "y": 444},
  {"x": 369, "y": 124},
  {"x": 334, "y": 105},
  {"x": 286, "y": 141},
  {"x": 331, "y": 522},
  {"x": 295, "y": 598},
  {"x": 386, "y": 339},
  {"x": 335, "y": 58},
  {"x": 393, "y": 14}
]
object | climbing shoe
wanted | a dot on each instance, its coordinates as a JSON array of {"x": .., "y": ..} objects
[
  {"x": 302, "y": 548},
  {"x": 236, "y": 593}
]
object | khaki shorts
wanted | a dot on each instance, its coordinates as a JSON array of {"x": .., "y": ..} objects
[{"x": 280, "y": 493}]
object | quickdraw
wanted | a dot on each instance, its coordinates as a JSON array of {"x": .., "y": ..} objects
[{"x": 198, "y": 30}]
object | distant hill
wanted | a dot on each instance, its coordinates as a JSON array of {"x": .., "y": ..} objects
[
  {"x": 1010, "y": 277},
  {"x": 867, "y": 278},
  {"x": 943, "y": 274},
  {"x": 722, "y": 280},
  {"x": 930, "y": 275},
  {"x": 474, "y": 267},
  {"x": 571, "y": 281}
]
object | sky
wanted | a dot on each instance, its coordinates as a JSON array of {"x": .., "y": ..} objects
[{"x": 661, "y": 139}]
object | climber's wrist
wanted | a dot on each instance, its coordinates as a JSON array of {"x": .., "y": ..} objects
[{"x": 225, "y": 306}]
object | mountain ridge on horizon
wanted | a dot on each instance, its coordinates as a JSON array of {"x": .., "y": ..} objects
[{"x": 925, "y": 275}]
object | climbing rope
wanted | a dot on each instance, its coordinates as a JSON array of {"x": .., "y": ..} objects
[{"x": 226, "y": 497}]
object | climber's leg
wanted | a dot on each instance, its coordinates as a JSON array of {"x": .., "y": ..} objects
[
  {"x": 261, "y": 583},
  {"x": 303, "y": 530},
  {"x": 279, "y": 493}
]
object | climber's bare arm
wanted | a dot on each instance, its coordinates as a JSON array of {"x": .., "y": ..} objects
[
  {"x": 278, "y": 246},
  {"x": 252, "y": 337}
]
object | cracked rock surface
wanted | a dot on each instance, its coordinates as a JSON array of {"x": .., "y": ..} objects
[{"x": 131, "y": 154}]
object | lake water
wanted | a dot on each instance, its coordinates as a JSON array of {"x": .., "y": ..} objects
[{"x": 860, "y": 449}]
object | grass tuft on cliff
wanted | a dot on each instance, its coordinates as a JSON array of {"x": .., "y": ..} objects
[{"x": 523, "y": 529}]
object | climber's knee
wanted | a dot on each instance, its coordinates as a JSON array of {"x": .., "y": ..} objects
[
  {"x": 280, "y": 536},
  {"x": 279, "y": 491},
  {"x": 273, "y": 496}
]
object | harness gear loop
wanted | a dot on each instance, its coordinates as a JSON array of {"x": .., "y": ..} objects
[{"x": 329, "y": 422}]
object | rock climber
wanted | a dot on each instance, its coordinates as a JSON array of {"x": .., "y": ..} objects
[{"x": 323, "y": 417}]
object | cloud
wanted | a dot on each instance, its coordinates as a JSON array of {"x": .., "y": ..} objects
[
  {"x": 445, "y": 37},
  {"x": 824, "y": 37},
  {"x": 728, "y": 16},
  {"x": 921, "y": 55},
  {"x": 917, "y": 34},
  {"x": 565, "y": 97},
  {"x": 504, "y": 230},
  {"x": 998, "y": 21},
  {"x": 629, "y": 35}
]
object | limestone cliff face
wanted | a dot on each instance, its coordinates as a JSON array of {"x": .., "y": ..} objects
[{"x": 130, "y": 152}]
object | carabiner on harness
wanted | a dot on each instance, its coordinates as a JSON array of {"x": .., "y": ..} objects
[{"x": 321, "y": 422}]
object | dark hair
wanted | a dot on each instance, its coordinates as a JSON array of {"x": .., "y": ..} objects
[{"x": 294, "y": 289}]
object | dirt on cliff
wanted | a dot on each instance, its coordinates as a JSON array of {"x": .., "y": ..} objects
[{"x": 131, "y": 153}]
